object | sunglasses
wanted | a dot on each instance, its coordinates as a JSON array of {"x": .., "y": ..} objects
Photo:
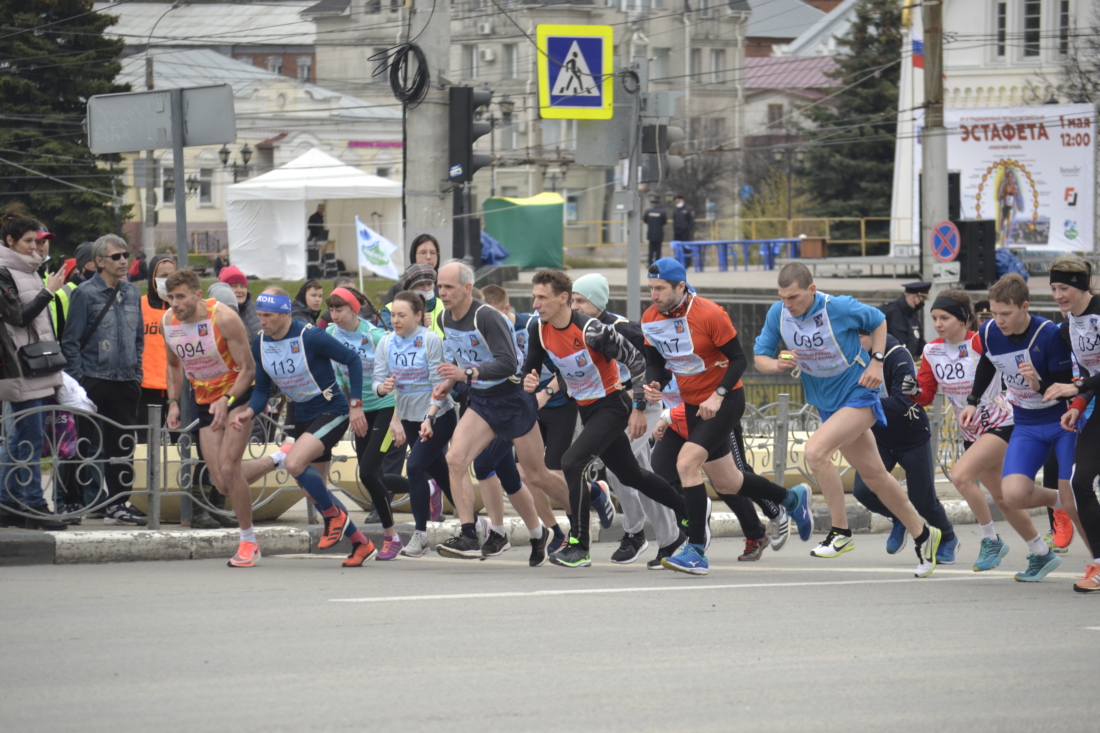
[{"x": 117, "y": 256}]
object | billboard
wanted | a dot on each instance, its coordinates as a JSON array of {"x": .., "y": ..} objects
[{"x": 1030, "y": 169}]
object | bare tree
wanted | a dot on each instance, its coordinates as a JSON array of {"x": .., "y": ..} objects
[
  {"x": 705, "y": 175},
  {"x": 1080, "y": 74}
]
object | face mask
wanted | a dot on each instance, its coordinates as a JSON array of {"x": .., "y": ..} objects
[
  {"x": 162, "y": 287},
  {"x": 427, "y": 295},
  {"x": 45, "y": 259},
  {"x": 679, "y": 204}
]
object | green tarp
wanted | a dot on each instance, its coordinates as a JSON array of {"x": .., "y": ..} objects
[{"x": 530, "y": 229}]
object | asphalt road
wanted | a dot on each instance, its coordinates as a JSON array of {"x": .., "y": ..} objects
[{"x": 791, "y": 643}]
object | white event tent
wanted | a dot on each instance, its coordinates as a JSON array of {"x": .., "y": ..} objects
[{"x": 267, "y": 216}]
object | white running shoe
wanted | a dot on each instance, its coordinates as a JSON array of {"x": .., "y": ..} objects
[
  {"x": 418, "y": 545},
  {"x": 710, "y": 507},
  {"x": 834, "y": 544},
  {"x": 782, "y": 530}
]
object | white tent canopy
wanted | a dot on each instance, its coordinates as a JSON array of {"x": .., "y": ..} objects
[{"x": 267, "y": 215}]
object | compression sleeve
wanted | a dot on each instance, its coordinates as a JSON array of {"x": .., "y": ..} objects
[
  {"x": 655, "y": 367},
  {"x": 738, "y": 362},
  {"x": 536, "y": 354}
]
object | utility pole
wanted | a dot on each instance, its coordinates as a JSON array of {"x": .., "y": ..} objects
[
  {"x": 424, "y": 172},
  {"x": 629, "y": 198},
  {"x": 933, "y": 208},
  {"x": 148, "y": 245}
]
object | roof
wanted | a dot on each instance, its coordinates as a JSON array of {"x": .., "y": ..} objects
[
  {"x": 820, "y": 39},
  {"x": 211, "y": 24},
  {"x": 173, "y": 69},
  {"x": 314, "y": 175},
  {"x": 789, "y": 73},
  {"x": 327, "y": 7},
  {"x": 781, "y": 18}
]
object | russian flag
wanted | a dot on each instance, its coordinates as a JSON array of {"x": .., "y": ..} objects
[{"x": 918, "y": 53}]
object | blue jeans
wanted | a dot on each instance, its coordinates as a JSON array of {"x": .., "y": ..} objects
[
  {"x": 24, "y": 437},
  {"x": 920, "y": 482}
]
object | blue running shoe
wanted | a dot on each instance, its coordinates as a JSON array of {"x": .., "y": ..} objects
[
  {"x": 557, "y": 541},
  {"x": 990, "y": 554},
  {"x": 802, "y": 515},
  {"x": 947, "y": 552},
  {"x": 1038, "y": 567},
  {"x": 895, "y": 543},
  {"x": 687, "y": 560},
  {"x": 601, "y": 502}
]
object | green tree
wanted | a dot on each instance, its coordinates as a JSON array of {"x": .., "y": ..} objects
[
  {"x": 53, "y": 57},
  {"x": 850, "y": 161}
]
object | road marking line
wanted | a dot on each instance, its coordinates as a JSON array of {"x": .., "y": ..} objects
[
  {"x": 596, "y": 591},
  {"x": 1092, "y": 628}
]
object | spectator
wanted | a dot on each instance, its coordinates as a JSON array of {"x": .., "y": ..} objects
[
  {"x": 307, "y": 304},
  {"x": 85, "y": 264},
  {"x": 103, "y": 344},
  {"x": 903, "y": 317},
  {"x": 683, "y": 222},
  {"x": 232, "y": 276},
  {"x": 154, "y": 366},
  {"x": 27, "y": 321},
  {"x": 317, "y": 224},
  {"x": 655, "y": 220},
  {"x": 424, "y": 250},
  {"x": 139, "y": 270},
  {"x": 420, "y": 279},
  {"x": 219, "y": 265}
]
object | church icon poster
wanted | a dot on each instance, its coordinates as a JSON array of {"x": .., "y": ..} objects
[{"x": 575, "y": 71}]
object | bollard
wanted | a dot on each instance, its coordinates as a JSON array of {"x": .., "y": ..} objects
[
  {"x": 153, "y": 470},
  {"x": 779, "y": 449}
]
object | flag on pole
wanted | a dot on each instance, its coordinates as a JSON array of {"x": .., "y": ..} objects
[
  {"x": 375, "y": 251},
  {"x": 918, "y": 53}
]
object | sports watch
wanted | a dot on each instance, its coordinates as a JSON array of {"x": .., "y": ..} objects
[
  {"x": 722, "y": 391},
  {"x": 470, "y": 373},
  {"x": 355, "y": 402},
  {"x": 879, "y": 356}
]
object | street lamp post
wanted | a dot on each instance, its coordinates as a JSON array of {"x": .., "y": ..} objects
[
  {"x": 507, "y": 107},
  {"x": 238, "y": 170}
]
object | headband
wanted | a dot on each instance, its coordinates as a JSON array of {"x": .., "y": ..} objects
[
  {"x": 347, "y": 297},
  {"x": 271, "y": 303},
  {"x": 952, "y": 306},
  {"x": 1079, "y": 280}
]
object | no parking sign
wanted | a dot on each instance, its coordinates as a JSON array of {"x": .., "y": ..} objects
[{"x": 945, "y": 241}]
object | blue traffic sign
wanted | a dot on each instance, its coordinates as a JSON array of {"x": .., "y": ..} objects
[{"x": 945, "y": 241}]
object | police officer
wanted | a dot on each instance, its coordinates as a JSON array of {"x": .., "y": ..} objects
[
  {"x": 903, "y": 317},
  {"x": 655, "y": 220}
]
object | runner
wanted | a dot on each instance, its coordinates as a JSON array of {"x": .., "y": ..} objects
[
  {"x": 1029, "y": 354},
  {"x": 585, "y": 354},
  {"x": 693, "y": 338},
  {"x": 406, "y": 363},
  {"x": 361, "y": 337},
  {"x": 297, "y": 358},
  {"x": 207, "y": 342},
  {"x": 841, "y": 380},
  {"x": 481, "y": 341},
  {"x": 1071, "y": 284},
  {"x": 948, "y": 364}
]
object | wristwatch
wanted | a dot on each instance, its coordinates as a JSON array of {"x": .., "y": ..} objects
[
  {"x": 722, "y": 391},
  {"x": 878, "y": 355},
  {"x": 470, "y": 373},
  {"x": 355, "y": 402},
  {"x": 639, "y": 404},
  {"x": 550, "y": 390}
]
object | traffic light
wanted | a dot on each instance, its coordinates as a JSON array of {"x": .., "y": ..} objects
[
  {"x": 656, "y": 161},
  {"x": 463, "y": 161}
]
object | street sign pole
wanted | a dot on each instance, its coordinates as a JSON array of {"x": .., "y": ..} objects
[
  {"x": 640, "y": 66},
  {"x": 178, "y": 178}
]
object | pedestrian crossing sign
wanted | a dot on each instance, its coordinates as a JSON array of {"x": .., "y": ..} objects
[{"x": 575, "y": 71}]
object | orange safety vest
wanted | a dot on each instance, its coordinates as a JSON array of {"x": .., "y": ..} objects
[{"x": 154, "y": 362}]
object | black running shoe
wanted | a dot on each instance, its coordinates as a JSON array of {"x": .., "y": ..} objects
[
  {"x": 572, "y": 556},
  {"x": 539, "y": 555},
  {"x": 495, "y": 544},
  {"x": 668, "y": 551},
  {"x": 631, "y": 546},
  {"x": 462, "y": 547}
]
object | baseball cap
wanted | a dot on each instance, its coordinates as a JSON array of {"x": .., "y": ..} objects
[{"x": 670, "y": 269}]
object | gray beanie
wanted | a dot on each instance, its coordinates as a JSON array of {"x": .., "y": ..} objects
[
  {"x": 223, "y": 294},
  {"x": 83, "y": 255},
  {"x": 594, "y": 288}
]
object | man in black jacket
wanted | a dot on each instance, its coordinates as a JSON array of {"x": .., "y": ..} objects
[
  {"x": 903, "y": 317},
  {"x": 906, "y": 440},
  {"x": 683, "y": 223},
  {"x": 655, "y": 220}
]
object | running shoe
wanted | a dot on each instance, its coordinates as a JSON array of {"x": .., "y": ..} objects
[
  {"x": 418, "y": 545},
  {"x": 990, "y": 554},
  {"x": 572, "y": 555},
  {"x": 539, "y": 556},
  {"x": 601, "y": 502},
  {"x": 927, "y": 552},
  {"x": 1038, "y": 567},
  {"x": 1091, "y": 582},
  {"x": 687, "y": 560},
  {"x": 753, "y": 549},
  {"x": 895, "y": 543},
  {"x": 482, "y": 526},
  {"x": 391, "y": 547},
  {"x": 360, "y": 553},
  {"x": 248, "y": 554},
  {"x": 710, "y": 535},
  {"x": 803, "y": 517},
  {"x": 557, "y": 541},
  {"x": 436, "y": 500},
  {"x": 121, "y": 514},
  {"x": 495, "y": 544},
  {"x": 834, "y": 544},
  {"x": 462, "y": 547},
  {"x": 1063, "y": 529},
  {"x": 665, "y": 552},
  {"x": 1049, "y": 539},
  {"x": 781, "y": 527},
  {"x": 279, "y": 456},
  {"x": 334, "y": 529},
  {"x": 948, "y": 551},
  {"x": 630, "y": 547}
]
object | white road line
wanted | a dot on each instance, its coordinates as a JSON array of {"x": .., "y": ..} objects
[
  {"x": 1092, "y": 628},
  {"x": 597, "y": 591}
]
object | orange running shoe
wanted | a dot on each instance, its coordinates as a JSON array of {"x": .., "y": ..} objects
[
  {"x": 248, "y": 554},
  {"x": 334, "y": 529},
  {"x": 1063, "y": 529},
  {"x": 1091, "y": 582},
  {"x": 360, "y": 553}
]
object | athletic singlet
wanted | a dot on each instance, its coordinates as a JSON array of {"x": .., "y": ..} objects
[
  {"x": 204, "y": 352},
  {"x": 408, "y": 361},
  {"x": 589, "y": 376},
  {"x": 1084, "y": 339},
  {"x": 470, "y": 350},
  {"x": 285, "y": 362},
  {"x": 953, "y": 366},
  {"x": 817, "y": 351},
  {"x": 691, "y": 346},
  {"x": 360, "y": 342},
  {"x": 1008, "y": 364}
]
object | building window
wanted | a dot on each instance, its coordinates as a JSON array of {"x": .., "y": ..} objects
[
  {"x": 382, "y": 171},
  {"x": 659, "y": 68},
  {"x": 572, "y": 208},
  {"x": 508, "y": 135},
  {"x": 275, "y": 64},
  {"x": 206, "y": 186},
  {"x": 469, "y": 62},
  {"x": 775, "y": 116},
  {"x": 511, "y": 61},
  {"x": 716, "y": 131},
  {"x": 509, "y": 192},
  {"x": 551, "y": 134},
  {"x": 245, "y": 60},
  {"x": 374, "y": 6},
  {"x": 305, "y": 68},
  {"x": 570, "y": 135},
  {"x": 696, "y": 64},
  {"x": 1063, "y": 27},
  {"x": 168, "y": 186},
  {"x": 1002, "y": 28},
  {"x": 717, "y": 65},
  {"x": 704, "y": 8},
  {"x": 1032, "y": 26},
  {"x": 695, "y": 132}
]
